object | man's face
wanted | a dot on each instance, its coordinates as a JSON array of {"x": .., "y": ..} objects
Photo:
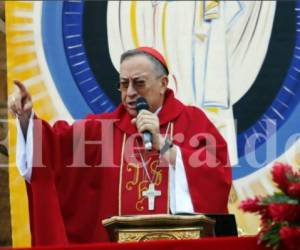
[{"x": 139, "y": 78}]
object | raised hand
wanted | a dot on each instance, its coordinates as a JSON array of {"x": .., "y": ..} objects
[
  {"x": 148, "y": 121},
  {"x": 19, "y": 103}
]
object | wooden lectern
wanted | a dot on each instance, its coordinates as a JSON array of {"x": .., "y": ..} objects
[{"x": 158, "y": 226}]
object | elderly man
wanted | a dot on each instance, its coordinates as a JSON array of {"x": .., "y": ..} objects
[{"x": 79, "y": 174}]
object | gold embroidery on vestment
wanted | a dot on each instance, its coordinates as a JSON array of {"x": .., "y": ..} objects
[{"x": 135, "y": 168}]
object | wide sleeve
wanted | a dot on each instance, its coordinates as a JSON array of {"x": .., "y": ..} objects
[
  {"x": 52, "y": 148},
  {"x": 60, "y": 180},
  {"x": 206, "y": 162}
]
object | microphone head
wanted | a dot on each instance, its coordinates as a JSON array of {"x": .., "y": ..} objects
[{"x": 141, "y": 103}]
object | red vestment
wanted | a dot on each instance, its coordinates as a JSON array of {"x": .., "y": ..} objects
[{"x": 67, "y": 203}]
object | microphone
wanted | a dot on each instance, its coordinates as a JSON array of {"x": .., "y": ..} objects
[{"x": 141, "y": 104}]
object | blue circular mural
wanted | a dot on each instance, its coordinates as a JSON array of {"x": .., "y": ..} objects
[{"x": 77, "y": 55}]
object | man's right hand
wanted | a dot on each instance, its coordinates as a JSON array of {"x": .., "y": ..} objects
[{"x": 20, "y": 105}]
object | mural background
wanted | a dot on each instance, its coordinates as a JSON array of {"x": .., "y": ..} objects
[
  {"x": 5, "y": 229},
  {"x": 237, "y": 60}
]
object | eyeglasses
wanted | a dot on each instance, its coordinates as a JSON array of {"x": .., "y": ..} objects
[{"x": 139, "y": 84}]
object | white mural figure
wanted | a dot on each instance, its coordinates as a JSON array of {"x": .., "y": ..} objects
[{"x": 214, "y": 49}]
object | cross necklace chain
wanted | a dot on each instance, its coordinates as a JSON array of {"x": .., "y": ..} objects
[{"x": 151, "y": 193}]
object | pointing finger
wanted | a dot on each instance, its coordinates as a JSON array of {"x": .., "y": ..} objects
[{"x": 20, "y": 86}]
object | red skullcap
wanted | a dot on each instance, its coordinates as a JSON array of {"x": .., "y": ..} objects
[{"x": 153, "y": 52}]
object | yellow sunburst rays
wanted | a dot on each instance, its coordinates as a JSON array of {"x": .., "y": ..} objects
[
  {"x": 23, "y": 64},
  {"x": 258, "y": 183}
]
